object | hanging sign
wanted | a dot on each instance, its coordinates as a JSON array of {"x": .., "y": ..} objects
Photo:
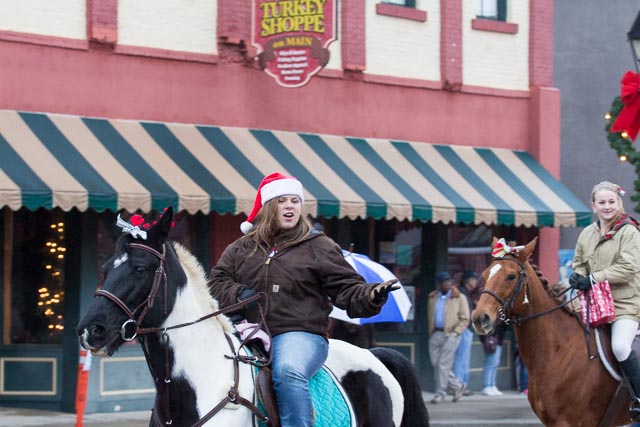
[{"x": 293, "y": 37}]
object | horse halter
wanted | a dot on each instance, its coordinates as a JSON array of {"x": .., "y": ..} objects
[
  {"x": 159, "y": 276},
  {"x": 504, "y": 312}
]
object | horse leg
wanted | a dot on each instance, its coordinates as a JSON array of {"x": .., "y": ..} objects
[{"x": 415, "y": 412}]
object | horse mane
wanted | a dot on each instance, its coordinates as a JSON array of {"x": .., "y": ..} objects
[
  {"x": 555, "y": 291},
  {"x": 195, "y": 274},
  {"x": 543, "y": 280},
  {"x": 198, "y": 279},
  {"x": 121, "y": 245}
]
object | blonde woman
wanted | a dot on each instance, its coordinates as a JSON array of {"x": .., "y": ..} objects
[{"x": 609, "y": 249}]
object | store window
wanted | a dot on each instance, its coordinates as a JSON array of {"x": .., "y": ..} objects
[
  {"x": 399, "y": 248},
  {"x": 34, "y": 255},
  {"x": 396, "y": 245},
  {"x": 469, "y": 249},
  {"x": 491, "y": 9},
  {"x": 408, "y": 3}
]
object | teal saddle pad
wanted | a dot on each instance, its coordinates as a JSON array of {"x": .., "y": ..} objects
[{"x": 331, "y": 405}]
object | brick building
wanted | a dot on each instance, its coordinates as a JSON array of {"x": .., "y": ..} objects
[{"x": 433, "y": 125}]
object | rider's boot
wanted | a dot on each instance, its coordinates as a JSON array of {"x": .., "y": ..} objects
[{"x": 631, "y": 371}]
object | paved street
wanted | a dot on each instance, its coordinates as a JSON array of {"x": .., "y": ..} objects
[{"x": 510, "y": 410}]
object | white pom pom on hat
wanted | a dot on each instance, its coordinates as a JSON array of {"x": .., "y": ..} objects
[{"x": 272, "y": 186}]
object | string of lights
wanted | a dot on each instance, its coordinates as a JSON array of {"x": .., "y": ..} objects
[{"x": 51, "y": 293}]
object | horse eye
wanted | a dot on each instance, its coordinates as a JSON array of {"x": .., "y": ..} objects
[
  {"x": 511, "y": 277},
  {"x": 141, "y": 269}
]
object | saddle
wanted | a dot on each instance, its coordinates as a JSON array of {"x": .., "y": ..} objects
[
  {"x": 326, "y": 392},
  {"x": 603, "y": 343},
  {"x": 267, "y": 396}
]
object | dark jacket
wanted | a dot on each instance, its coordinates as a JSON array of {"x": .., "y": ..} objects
[{"x": 300, "y": 282}]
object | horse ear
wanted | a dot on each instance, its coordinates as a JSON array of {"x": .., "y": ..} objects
[
  {"x": 160, "y": 229},
  {"x": 494, "y": 241},
  {"x": 525, "y": 254}
]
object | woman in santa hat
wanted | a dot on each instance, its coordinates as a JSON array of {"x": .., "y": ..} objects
[{"x": 302, "y": 272}]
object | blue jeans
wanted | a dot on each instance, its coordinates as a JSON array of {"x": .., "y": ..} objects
[
  {"x": 490, "y": 371},
  {"x": 297, "y": 356},
  {"x": 522, "y": 375},
  {"x": 462, "y": 361}
]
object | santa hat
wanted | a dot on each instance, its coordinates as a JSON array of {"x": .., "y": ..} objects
[{"x": 272, "y": 186}]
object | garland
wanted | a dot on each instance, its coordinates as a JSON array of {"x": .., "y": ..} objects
[{"x": 623, "y": 145}]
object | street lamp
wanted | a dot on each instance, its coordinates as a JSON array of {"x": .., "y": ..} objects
[{"x": 634, "y": 40}]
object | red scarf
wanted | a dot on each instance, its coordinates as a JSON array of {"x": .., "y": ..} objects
[{"x": 621, "y": 222}]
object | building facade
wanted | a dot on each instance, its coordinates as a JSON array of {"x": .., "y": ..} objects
[{"x": 432, "y": 125}]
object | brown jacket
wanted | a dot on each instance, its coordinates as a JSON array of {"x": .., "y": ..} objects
[
  {"x": 301, "y": 283},
  {"x": 456, "y": 312},
  {"x": 616, "y": 259}
]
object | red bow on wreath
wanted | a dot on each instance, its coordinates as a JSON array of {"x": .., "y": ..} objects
[{"x": 629, "y": 118}]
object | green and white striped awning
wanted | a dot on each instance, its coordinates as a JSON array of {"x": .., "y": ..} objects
[{"x": 51, "y": 160}]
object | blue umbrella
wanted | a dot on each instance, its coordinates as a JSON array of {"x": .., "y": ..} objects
[{"x": 397, "y": 306}]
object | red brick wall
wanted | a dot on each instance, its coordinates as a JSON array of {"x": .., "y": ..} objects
[
  {"x": 353, "y": 35},
  {"x": 234, "y": 21},
  {"x": 102, "y": 21},
  {"x": 451, "y": 44},
  {"x": 541, "y": 42}
]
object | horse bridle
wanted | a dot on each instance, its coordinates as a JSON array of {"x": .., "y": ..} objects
[
  {"x": 159, "y": 277},
  {"x": 504, "y": 312}
]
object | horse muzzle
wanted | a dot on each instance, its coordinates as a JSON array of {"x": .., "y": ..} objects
[
  {"x": 482, "y": 323},
  {"x": 99, "y": 350}
]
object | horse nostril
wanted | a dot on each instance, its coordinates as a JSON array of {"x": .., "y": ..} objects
[
  {"x": 97, "y": 331},
  {"x": 485, "y": 320}
]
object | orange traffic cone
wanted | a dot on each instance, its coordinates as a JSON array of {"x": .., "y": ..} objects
[{"x": 84, "y": 366}]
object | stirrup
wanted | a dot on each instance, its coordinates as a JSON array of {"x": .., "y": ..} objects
[{"x": 634, "y": 409}]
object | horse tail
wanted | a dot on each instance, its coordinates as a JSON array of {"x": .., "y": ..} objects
[{"x": 415, "y": 412}]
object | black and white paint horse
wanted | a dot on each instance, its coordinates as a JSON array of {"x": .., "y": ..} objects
[{"x": 156, "y": 290}]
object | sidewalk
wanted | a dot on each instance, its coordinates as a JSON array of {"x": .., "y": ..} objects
[{"x": 510, "y": 410}]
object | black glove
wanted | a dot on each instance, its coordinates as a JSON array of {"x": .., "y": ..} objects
[
  {"x": 580, "y": 282},
  {"x": 237, "y": 318},
  {"x": 380, "y": 293},
  {"x": 574, "y": 278},
  {"x": 245, "y": 294}
]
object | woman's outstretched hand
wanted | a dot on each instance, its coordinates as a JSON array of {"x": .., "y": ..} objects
[{"x": 380, "y": 292}]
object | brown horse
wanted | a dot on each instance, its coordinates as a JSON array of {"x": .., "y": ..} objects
[{"x": 566, "y": 387}]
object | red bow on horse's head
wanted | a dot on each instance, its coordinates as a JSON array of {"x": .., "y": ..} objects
[
  {"x": 137, "y": 226},
  {"x": 502, "y": 248}
]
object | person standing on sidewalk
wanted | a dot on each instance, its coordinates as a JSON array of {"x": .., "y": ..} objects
[
  {"x": 492, "y": 345},
  {"x": 462, "y": 361},
  {"x": 448, "y": 313}
]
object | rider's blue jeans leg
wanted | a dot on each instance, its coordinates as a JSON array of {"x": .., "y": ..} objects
[{"x": 297, "y": 356}]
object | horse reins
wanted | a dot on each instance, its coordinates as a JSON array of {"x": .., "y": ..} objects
[
  {"x": 160, "y": 276},
  {"x": 504, "y": 313}
]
